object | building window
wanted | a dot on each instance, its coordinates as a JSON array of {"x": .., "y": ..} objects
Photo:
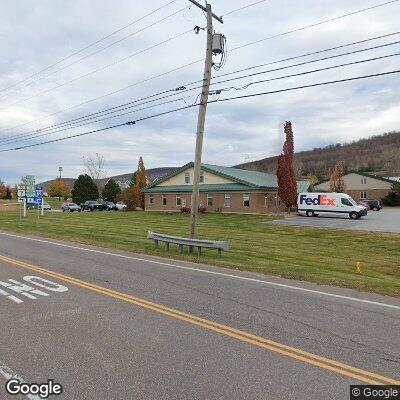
[
  {"x": 228, "y": 200},
  {"x": 363, "y": 195},
  {"x": 363, "y": 181},
  {"x": 201, "y": 177},
  {"x": 178, "y": 200},
  {"x": 164, "y": 199},
  {"x": 266, "y": 199},
  {"x": 187, "y": 177},
  {"x": 246, "y": 200},
  {"x": 209, "y": 200},
  {"x": 151, "y": 199}
]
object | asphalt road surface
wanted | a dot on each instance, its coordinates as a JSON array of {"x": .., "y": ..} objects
[
  {"x": 386, "y": 220},
  {"x": 114, "y": 325}
]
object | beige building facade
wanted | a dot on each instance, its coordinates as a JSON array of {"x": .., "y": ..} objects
[{"x": 361, "y": 186}]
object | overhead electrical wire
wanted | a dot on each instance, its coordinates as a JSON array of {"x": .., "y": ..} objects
[
  {"x": 244, "y": 7},
  {"x": 234, "y": 49},
  {"x": 104, "y": 67},
  {"x": 249, "y": 44},
  {"x": 183, "y": 89},
  {"x": 89, "y": 45},
  {"x": 314, "y": 25},
  {"x": 106, "y": 47},
  {"x": 133, "y": 122}
]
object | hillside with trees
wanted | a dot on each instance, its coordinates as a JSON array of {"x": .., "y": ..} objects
[{"x": 377, "y": 153}]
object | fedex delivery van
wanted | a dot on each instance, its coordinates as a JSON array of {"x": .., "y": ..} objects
[{"x": 314, "y": 204}]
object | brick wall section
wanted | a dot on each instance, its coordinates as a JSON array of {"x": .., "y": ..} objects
[
  {"x": 374, "y": 194},
  {"x": 257, "y": 202}
]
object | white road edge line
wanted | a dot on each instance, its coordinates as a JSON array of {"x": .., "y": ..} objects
[
  {"x": 8, "y": 373},
  {"x": 204, "y": 271}
]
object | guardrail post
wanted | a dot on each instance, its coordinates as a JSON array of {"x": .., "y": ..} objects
[
  {"x": 181, "y": 248},
  {"x": 167, "y": 246},
  {"x": 199, "y": 250},
  {"x": 155, "y": 243}
]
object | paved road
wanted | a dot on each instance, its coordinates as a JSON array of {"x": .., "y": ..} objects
[
  {"x": 93, "y": 329},
  {"x": 386, "y": 220}
]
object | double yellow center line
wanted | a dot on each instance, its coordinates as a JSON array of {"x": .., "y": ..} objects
[{"x": 292, "y": 352}]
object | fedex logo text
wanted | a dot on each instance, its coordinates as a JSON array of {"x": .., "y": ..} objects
[{"x": 320, "y": 200}]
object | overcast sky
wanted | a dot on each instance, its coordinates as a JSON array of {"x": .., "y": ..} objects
[{"x": 36, "y": 34}]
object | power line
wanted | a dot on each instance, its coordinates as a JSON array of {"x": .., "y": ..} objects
[
  {"x": 211, "y": 101},
  {"x": 84, "y": 123},
  {"x": 104, "y": 67},
  {"x": 234, "y": 49},
  {"x": 175, "y": 91},
  {"x": 218, "y": 91},
  {"x": 313, "y": 25},
  {"x": 106, "y": 47},
  {"x": 89, "y": 46},
  {"x": 310, "y": 54},
  {"x": 310, "y": 72},
  {"x": 244, "y": 7},
  {"x": 306, "y": 86}
]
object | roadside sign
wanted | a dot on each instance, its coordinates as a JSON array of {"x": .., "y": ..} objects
[
  {"x": 21, "y": 193},
  {"x": 30, "y": 188}
]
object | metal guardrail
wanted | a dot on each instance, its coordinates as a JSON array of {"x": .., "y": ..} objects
[{"x": 191, "y": 243}]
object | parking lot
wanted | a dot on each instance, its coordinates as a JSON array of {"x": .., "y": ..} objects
[{"x": 386, "y": 220}]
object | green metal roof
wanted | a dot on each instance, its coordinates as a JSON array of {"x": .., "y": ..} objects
[
  {"x": 253, "y": 178},
  {"x": 223, "y": 187},
  {"x": 244, "y": 181}
]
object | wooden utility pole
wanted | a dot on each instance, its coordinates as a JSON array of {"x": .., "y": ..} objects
[{"x": 200, "y": 125}]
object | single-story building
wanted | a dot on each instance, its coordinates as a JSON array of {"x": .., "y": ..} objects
[
  {"x": 222, "y": 189},
  {"x": 360, "y": 186}
]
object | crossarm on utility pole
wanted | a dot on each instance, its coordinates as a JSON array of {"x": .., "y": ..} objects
[{"x": 219, "y": 19}]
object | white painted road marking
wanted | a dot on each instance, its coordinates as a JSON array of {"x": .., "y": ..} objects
[
  {"x": 8, "y": 373},
  {"x": 29, "y": 291},
  {"x": 205, "y": 271}
]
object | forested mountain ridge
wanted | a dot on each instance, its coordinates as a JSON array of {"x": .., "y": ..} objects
[{"x": 376, "y": 153}]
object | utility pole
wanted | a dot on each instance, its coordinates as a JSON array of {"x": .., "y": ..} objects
[{"x": 202, "y": 117}]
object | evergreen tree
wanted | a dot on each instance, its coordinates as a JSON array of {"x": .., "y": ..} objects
[
  {"x": 287, "y": 184},
  {"x": 84, "y": 189},
  {"x": 111, "y": 191}
]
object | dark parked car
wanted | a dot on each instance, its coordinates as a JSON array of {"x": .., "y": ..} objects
[
  {"x": 70, "y": 207},
  {"x": 109, "y": 206},
  {"x": 92, "y": 205},
  {"x": 373, "y": 204}
]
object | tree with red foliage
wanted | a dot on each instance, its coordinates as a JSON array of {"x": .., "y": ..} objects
[{"x": 287, "y": 185}]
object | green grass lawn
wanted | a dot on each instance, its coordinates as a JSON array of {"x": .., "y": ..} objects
[{"x": 317, "y": 255}]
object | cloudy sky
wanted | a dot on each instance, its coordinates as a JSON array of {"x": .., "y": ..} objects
[{"x": 42, "y": 35}]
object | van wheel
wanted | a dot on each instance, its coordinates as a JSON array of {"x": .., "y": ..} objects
[
  {"x": 310, "y": 213},
  {"x": 354, "y": 215}
]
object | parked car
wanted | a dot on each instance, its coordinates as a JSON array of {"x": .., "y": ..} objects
[
  {"x": 46, "y": 206},
  {"x": 375, "y": 205},
  {"x": 120, "y": 205},
  {"x": 109, "y": 206},
  {"x": 70, "y": 207},
  {"x": 92, "y": 205},
  {"x": 365, "y": 205}
]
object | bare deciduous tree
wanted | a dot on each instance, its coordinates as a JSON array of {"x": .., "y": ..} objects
[{"x": 94, "y": 167}]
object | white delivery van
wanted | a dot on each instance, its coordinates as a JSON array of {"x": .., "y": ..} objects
[{"x": 314, "y": 204}]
